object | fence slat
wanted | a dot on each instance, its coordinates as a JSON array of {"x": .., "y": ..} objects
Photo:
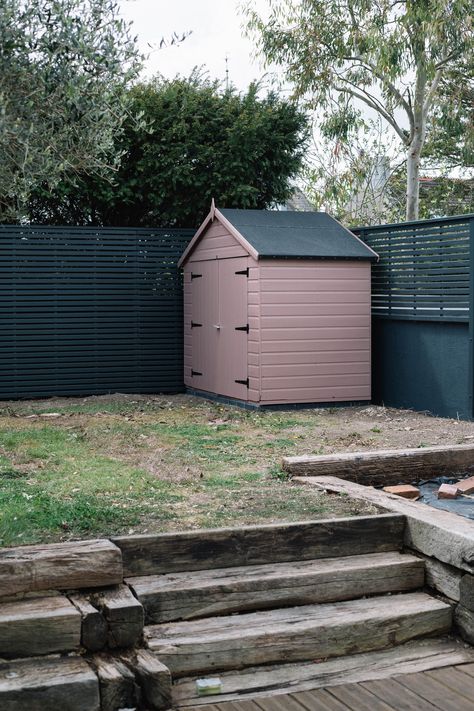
[
  {"x": 90, "y": 310},
  {"x": 424, "y": 268}
]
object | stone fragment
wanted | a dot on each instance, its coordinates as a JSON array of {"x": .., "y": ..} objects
[
  {"x": 466, "y": 486},
  {"x": 448, "y": 491},
  {"x": 407, "y": 491}
]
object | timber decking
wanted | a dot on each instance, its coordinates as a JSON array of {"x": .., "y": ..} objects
[{"x": 448, "y": 689}]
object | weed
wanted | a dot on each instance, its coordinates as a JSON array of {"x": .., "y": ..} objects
[{"x": 277, "y": 473}]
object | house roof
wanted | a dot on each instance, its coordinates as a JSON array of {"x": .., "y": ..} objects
[{"x": 287, "y": 235}]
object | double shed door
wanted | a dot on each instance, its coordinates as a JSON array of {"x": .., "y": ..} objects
[{"x": 219, "y": 326}]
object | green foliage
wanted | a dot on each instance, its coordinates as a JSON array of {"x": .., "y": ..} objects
[
  {"x": 64, "y": 68},
  {"x": 396, "y": 58},
  {"x": 192, "y": 143},
  {"x": 450, "y": 141}
]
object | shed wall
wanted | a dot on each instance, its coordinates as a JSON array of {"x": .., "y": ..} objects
[
  {"x": 313, "y": 319},
  {"x": 216, "y": 243}
]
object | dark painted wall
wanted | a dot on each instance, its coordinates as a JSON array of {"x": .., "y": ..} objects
[{"x": 422, "y": 365}]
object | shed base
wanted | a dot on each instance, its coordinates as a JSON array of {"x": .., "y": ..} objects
[{"x": 246, "y": 405}]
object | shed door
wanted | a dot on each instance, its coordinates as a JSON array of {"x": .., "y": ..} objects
[
  {"x": 233, "y": 333},
  {"x": 204, "y": 316},
  {"x": 219, "y": 326}
]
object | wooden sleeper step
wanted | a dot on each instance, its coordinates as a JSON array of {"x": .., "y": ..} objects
[
  {"x": 41, "y": 625},
  {"x": 66, "y": 684},
  {"x": 222, "y": 591},
  {"x": 296, "y": 634},
  {"x": 259, "y": 545},
  {"x": 258, "y": 682},
  {"x": 59, "y": 566}
]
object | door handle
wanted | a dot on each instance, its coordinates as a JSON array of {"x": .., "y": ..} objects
[{"x": 218, "y": 326}]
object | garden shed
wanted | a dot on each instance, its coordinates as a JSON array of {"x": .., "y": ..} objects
[{"x": 277, "y": 308}]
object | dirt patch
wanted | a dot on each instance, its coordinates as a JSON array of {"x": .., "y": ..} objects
[{"x": 76, "y": 467}]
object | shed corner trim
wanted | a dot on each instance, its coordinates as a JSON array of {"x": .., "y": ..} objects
[{"x": 196, "y": 237}]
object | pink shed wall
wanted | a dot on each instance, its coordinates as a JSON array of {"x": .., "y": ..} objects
[
  {"x": 314, "y": 331},
  {"x": 309, "y": 324},
  {"x": 216, "y": 243}
]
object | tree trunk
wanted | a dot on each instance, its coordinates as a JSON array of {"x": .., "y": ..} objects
[{"x": 413, "y": 179}]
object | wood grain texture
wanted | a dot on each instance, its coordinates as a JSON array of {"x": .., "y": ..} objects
[
  {"x": 257, "y": 545},
  {"x": 153, "y": 678},
  {"x": 386, "y": 467},
  {"x": 466, "y": 591},
  {"x": 464, "y": 621},
  {"x": 123, "y": 614},
  {"x": 116, "y": 683},
  {"x": 444, "y": 578},
  {"x": 67, "y": 684},
  {"x": 435, "y": 692},
  {"x": 223, "y": 591},
  {"x": 93, "y": 624},
  {"x": 60, "y": 566},
  {"x": 296, "y": 634},
  {"x": 268, "y": 681},
  {"x": 438, "y": 534},
  {"x": 39, "y": 626}
]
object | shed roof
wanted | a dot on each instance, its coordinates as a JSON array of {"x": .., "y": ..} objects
[{"x": 287, "y": 235}]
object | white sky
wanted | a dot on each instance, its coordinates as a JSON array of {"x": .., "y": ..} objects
[{"x": 216, "y": 32}]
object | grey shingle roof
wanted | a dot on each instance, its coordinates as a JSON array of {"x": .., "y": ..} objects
[{"x": 310, "y": 235}]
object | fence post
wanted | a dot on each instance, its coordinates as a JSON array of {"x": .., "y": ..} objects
[{"x": 471, "y": 316}]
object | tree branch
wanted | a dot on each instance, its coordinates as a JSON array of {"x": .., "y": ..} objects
[
  {"x": 386, "y": 82},
  {"x": 369, "y": 101}
]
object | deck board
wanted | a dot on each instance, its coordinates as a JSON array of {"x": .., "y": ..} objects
[{"x": 447, "y": 689}]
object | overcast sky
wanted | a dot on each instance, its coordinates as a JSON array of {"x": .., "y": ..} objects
[{"x": 216, "y": 33}]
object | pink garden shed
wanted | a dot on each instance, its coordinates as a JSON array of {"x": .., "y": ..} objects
[{"x": 277, "y": 309}]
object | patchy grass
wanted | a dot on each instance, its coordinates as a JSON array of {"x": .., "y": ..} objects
[{"x": 102, "y": 465}]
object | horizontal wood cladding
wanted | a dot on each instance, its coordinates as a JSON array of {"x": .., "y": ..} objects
[
  {"x": 315, "y": 332},
  {"x": 217, "y": 242}
]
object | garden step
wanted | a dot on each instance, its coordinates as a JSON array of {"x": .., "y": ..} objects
[
  {"x": 222, "y": 591},
  {"x": 57, "y": 566},
  {"x": 257, "y": 545},
  {"x": 66, "y": 684},
  {"x": 415, "y": 656},
  {"x": 296, "y": 634},
  {"x": 41, "y": 625}
]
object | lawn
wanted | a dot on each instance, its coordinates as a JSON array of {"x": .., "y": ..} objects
[{"x": 79, "y": 468}]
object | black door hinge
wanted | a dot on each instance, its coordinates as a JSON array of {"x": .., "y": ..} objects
[
  {"x": 196, "y": 325},
  {"x": 244, "y": 271},
  {"x": 195, "y": 372},
  {"x": 242, "y": 328},
  {"x": 195, "y": 276},
  {"x": 242, "y": 382}
]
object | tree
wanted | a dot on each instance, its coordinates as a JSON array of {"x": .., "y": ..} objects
[
  {"x": 194, "y": 143},
  {"x": 64, "y": 68},
  {"x": 390, "y": 56}
]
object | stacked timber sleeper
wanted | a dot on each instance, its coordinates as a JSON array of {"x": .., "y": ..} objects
[{"x": 246, "y": 604}]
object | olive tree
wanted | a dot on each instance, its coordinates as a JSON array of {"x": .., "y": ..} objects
[{"x": 64, "y": 69}]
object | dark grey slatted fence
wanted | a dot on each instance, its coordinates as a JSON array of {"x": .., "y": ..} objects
[
  {"x": 90, "y": 310},
  {"x": 422, "y": 295},
  {"x": 423, "y": 270}
]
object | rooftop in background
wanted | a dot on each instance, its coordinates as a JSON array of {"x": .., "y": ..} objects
[{"x": 297, "y": 235}]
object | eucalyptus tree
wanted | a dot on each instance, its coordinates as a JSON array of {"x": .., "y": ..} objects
[
  {"x": 391, "y": 56},
  {"x": 65, "y": 66}
]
